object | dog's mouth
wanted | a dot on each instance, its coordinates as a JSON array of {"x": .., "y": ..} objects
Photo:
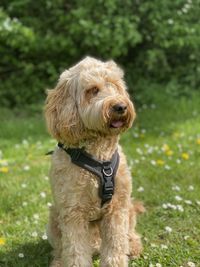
[{"x": 117, "y": 124}]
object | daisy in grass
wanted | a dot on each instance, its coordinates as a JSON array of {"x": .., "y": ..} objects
[
  {"x": 191, "y": 264},
  {"x": 168, "y": 229},
  {"x": 3, "y": 162}
]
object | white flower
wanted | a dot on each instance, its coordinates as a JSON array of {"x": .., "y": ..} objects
[
  {"x": 171, "y": 206},
  {"x": 25, "y": 142},
  {"x": 189, "y": 202},
  {"x": 21, "y": 255},
  {"x": 164, "y": 246},
  {"x": 178, "y": 161},
  {"x": 178, "y": 198},
  {"x": 151, "y": 265},
  {"x": 168, "y": 229},
  {"x": 186, "y": 237},
  {"x": 180, "y": 208},
  {"x": 36, "y": 216},
  {"x": 153, "y": 162},
  {"x": 24, "y": 204},
  {"x": 176, "y": 188},
  {"x": 23, "y": 185},
  {"x": 150, "y": 150},
  {"x": 46, "y": 178},
  {"x": 191, "y": 188},
  {"x": 198, "y": 202},
  {"x": 44, "y": 237},
  {"x": 26, "y": 168},
  {"x": 3, "y": 163},
  {"x": 49, "y": 204},
  {"x": 191, "y": 264},
  {"x": 139, "y": 151},
  {"x": 167, "y": 167},
  {"x": 43, "y": 194},
  {"x": 158, "y": 265},
  {"x": 136, "y": 135},
  {"x": 140, "y": 189},
  {"x": 34, "y": 234},
  {"x": 165, "y": 206}
]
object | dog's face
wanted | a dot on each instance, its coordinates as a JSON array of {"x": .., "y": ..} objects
[{"x": 90, "y": 99}]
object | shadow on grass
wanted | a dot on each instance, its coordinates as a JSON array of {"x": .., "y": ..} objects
[{"x": 35, "y": 255}]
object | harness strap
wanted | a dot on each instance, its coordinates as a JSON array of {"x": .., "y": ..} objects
[{"x": 105, "y": 170}]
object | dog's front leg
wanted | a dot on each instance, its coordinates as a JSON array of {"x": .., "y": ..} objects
[
  {"x": 114, "y": 234},
  {"x": 76, "y": 249}
]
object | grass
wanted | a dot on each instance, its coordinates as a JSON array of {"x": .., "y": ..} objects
[{"x": 163, "y": 151}]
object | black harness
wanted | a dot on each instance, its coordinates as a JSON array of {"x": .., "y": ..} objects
[{"x": 105, "y": 170}]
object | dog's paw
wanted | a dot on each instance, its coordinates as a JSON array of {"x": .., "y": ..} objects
[{"x": 135, "y": 246}]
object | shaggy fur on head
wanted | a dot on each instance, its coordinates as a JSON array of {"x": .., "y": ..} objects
[{"x": 89, "y": 108}]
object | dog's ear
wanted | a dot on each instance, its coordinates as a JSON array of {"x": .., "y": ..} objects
[
  {"x": 61, "y": 113},
  {"x": 114, "y": 67}
]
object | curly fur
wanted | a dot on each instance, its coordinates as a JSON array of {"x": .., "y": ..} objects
[{"x": 79, "y": 113}]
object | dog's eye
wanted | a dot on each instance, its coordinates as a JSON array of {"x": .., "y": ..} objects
[{"x": 93, "y": 91}]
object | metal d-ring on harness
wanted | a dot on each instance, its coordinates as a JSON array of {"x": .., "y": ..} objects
[{"x": 105, "y": 170}]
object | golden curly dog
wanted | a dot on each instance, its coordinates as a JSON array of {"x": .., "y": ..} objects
[{"x": 89, "y": 108}]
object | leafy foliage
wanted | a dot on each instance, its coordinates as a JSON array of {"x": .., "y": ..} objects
[{"x": 155, "y": 41}]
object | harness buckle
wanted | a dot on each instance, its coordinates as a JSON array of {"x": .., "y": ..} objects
[
  {"x": 108, "y": 171},
  {"x": 107, "y": 186}
]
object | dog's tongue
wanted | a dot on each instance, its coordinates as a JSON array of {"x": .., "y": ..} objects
[{"x": 117, "y": 124}]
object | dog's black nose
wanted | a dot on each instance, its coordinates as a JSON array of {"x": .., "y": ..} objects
[{"x": 119, "y": 108}]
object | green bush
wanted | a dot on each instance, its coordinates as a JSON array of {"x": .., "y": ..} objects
[{"x": 155, "y": 41}]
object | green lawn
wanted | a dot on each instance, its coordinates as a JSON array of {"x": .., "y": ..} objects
[{"x": 163, "y": 151}]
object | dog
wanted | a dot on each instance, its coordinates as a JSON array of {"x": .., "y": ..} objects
[{"x": 93, "y": 213}]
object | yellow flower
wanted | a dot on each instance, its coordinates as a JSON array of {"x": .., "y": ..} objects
[
  {"x": 169, "y": 152},
  {"x": 160, "y": 162},
  {"x": 4, "y": 169},
  {"x": 165, "y": 147},
  {"x": 185, "y": 156},
  {"x": 198, "y": 141},
  {"x": 2, "y": 241}
]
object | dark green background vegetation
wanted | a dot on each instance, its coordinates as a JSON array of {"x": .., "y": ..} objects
[{"x": 156, "y": 42}]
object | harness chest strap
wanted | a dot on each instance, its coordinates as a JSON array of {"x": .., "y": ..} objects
[{"x": 105, "y": 170}]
